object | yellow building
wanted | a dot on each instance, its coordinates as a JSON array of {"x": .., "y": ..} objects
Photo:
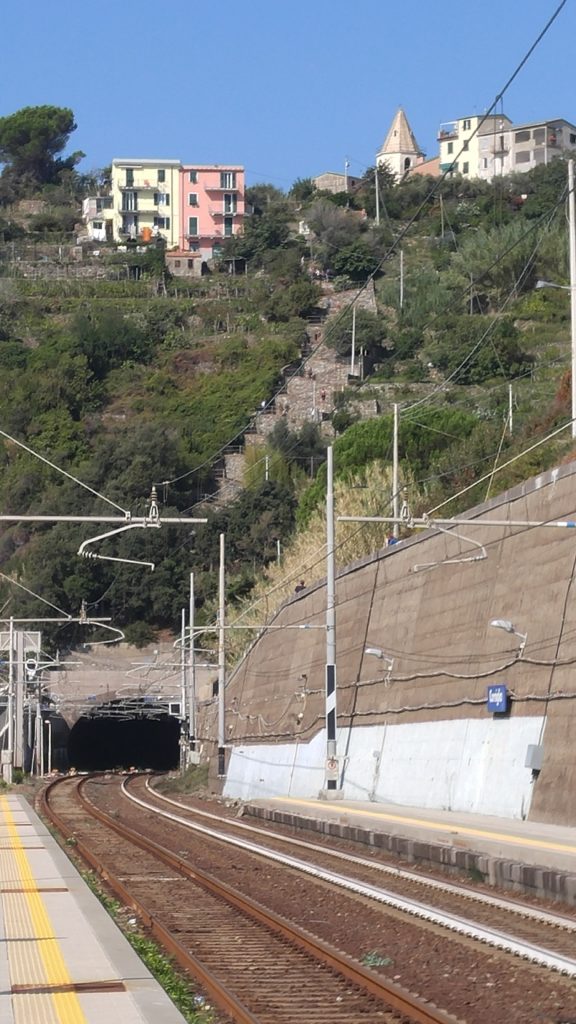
[
  {"x": 146, "y": 200},
  {"x": 460, "y": 146}
]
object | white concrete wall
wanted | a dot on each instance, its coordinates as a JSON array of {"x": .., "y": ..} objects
[{"x": 470, "y": 765}]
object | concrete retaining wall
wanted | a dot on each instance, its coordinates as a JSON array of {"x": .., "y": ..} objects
[
  {"x": 459, "y": 765},
  {"x": 441, "y": 747}
]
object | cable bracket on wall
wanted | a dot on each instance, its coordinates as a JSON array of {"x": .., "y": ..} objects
[{"x": 479, "y": 557}]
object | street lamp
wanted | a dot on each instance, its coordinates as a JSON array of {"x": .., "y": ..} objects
[
  {"x": 509, "y": 627},
  {"x": 377, "y": 652},
  {"x": 552, "y": 284}
]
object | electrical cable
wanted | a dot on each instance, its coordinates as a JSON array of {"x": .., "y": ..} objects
[
  {"x": 64, "y": 472},
  {"x": 520, "y": 455},
  {"x": 32, "y": 594}
]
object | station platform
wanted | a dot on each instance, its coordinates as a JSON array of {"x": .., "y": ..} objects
[
  {"x": 62, "y": 958},
  {"x": 523, "y": 855}
]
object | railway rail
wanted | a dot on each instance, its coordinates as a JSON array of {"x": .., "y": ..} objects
[
  {"x": 255, "y": 965},
  {"x": 532, "y": 933}
]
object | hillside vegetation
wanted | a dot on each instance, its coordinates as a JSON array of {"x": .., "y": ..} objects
[{"x": 126, "y": 383}]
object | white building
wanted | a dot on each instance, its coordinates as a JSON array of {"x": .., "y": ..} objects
[
  {"x": 478, "y": 147},
  {"x": 98, "y": 216}
]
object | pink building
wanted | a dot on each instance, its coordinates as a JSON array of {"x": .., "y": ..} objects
[{"x": 211, "y": 208}]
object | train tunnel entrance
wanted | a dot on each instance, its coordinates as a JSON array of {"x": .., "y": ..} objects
[{"x": 125, "y": 734}]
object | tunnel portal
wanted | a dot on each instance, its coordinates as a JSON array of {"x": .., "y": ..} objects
[{"x": 125, "y": 735}]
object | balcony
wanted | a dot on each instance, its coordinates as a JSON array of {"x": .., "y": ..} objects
[
  {"x": 448, "y": 131},
  {"x": 145, "y": 185},
  {"x": 224, "y": 213},
  {"x": 221, "y": 188}
]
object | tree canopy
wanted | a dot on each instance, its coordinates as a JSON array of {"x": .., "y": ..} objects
[{"x": 30, "y": 141}]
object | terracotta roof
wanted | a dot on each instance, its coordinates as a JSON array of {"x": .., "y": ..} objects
[
  {"x": 400, "y": 138},
  {"x": 431, "y": 167}
]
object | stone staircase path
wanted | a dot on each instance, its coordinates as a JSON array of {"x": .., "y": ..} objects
[{"x": 307, "y": 395}]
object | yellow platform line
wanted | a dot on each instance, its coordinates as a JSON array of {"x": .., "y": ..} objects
[
  {"x": 28, "y": 908},
  {"x": 451, "y": 828}
]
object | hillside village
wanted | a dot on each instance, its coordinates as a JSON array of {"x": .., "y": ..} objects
[{"x": 239, "y": 329}]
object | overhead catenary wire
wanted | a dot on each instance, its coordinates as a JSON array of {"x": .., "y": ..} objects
[{"x": 64, "y": 472}]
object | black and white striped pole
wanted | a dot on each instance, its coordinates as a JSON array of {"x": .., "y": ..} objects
[
  {"x": 221, "y": 660},
  {"x": 332, "y": 770}
]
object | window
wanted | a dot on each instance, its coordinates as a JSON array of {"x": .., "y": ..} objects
[
  {"x": 572, "y": 139},
  {"x": 539, "y": 135},
  {"x": 129, "y": 177},
  {"x": 194, "y": 247},
  {"x": 190, "y": 264},
  {"x": 522, "y": 136},
  {"x": 97, "y": 225},
  {"x": 465, "y": 168},
  {"x": 466, "y": 125},
  {"x": 162, "y": 222},
  {"x": 161, "y": 199},
  {"x": 176, "y": 263},
  {"x": 485, "y": 162},
  {"x": 450, "y": 147},
  {"x": 193, "y": 199},
  {"x": 229, "y": 203},
  {"x": 523, "y": 158},
  {"x": 104, "y": 204},
  {"x": 193, "y": 177},
  {"x": 161, "y": 175},
  {"x": 227, "y": 179},
  {"x": 228, "y": 227},
  {"x": 192, "y": 226},
  {"x": 130, "y": 224},
  {"x": 130, "y": 201}
]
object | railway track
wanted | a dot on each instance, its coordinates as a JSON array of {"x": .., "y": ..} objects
[
  {"x": 530, "y": 932},
  {"x": 255, "y": 965}
]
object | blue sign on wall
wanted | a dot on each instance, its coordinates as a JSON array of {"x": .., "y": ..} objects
[{"x": 497, "y": 698}]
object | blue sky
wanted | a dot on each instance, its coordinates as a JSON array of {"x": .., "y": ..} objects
[{"x": 289, "y": 89}]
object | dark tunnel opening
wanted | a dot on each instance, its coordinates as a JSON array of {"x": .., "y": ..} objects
[{"x": 104, "y": 741}]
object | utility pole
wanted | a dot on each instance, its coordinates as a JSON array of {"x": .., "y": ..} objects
[
  {"x": 401, "y": 279},
  {"x": 395, "y": 472},
  {"x": 7, "y": 767},
  {"x": 221, "y": 662},
  {"x": 20, "y": 683},
  {"x": 376, "y": 186},
  {"x": 332, "y": 766},
  {"x": 191, "y": 713},
  {"x": 510, "y": 410},
  {"x": 353, "y": 357},
  {"x": 266, "y": 467},
  {"x": 346, "y": 166},
  {"x": 572, "y": 237},
  {"x": 183, "y": 736}
]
